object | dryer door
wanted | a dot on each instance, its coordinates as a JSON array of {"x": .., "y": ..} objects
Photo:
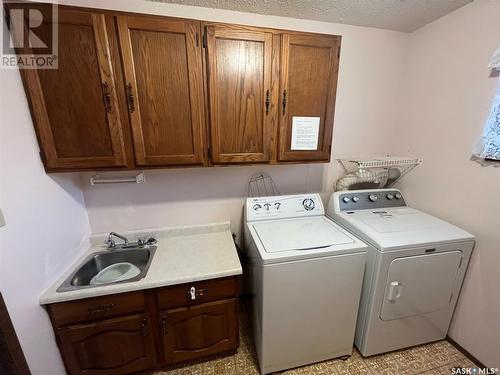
[{"x": 421, "y": 284}]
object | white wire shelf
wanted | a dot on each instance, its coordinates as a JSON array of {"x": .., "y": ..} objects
[{"x": 404, "y": 164}]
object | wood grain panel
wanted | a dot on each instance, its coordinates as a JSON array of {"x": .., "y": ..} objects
[
  {"x": 239, "y": 70},
  {"x": 213, "y": 290},
  {"x": 97, "y": 308},
  {"x": 163, "y": 66},
  {"x": 76, "y": 126},
  {"x": 194, "y": 332},
  {"x": 309, "y": 70},
  {"x": 111, "y": 347}
]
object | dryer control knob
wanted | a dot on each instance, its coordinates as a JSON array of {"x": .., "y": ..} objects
[
  {"x": 355, "y": 199},
  {"x": 373, "y": 197},
  {"x": 390, "y": 196},
  {"x": 346, "y": 199},
  {"x": 398, "y": 196},
  {"x": 308, "y": 204}
]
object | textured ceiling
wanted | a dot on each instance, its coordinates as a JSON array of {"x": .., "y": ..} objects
[{"x": 401, "y": 15}]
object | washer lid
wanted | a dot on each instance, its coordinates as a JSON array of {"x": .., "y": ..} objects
[{"x": 300, "y": 234}]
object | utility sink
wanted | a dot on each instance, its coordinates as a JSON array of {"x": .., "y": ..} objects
[{"x": 96, "y": 262}]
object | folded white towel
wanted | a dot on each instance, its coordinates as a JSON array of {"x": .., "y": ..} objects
[{"x": 495, "y": 60}]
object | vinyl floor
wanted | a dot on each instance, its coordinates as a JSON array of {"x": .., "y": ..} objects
[{"x": 435, "y": 358}]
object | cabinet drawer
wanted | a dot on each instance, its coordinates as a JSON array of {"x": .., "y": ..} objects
[
  {"x": 204, "y": 291},
  {"x": 97, "y": 308},
  {"x": 194, "y": 332}
]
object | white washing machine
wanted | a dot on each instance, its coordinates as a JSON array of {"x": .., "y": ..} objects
[
  {"x": 305, "y": 274},
  {"x": 414, "y": 270}
]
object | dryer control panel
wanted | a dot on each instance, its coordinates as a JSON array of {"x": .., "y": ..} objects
[
  {"x": 283, "y": 207},
  {"x": 352, "y": 200}
]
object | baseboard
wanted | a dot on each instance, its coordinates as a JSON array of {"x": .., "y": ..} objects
[{"x": 476, "y": 361}]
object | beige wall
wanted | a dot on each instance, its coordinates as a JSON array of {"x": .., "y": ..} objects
[
  {"x": 448, "y": 96},
  {"x": 46, "y": 227},
  {"x": 370, "y": 77}
]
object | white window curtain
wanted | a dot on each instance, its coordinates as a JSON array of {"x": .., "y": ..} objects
[{"x": 488, "y": 146}]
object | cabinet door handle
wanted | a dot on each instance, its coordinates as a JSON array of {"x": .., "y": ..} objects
[
  {"x": 164, "y": 326},
  {"x": 101, "y": 309},
  {"x": 144, "y": 328},
  {"x": 268, "y": 101},
  {"x": 130, "y": 98},
  {"x": 284, "y": 102},
  {"x": 106, "y": 97}
]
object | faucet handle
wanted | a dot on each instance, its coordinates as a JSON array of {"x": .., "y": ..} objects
[
  {"x": 151, "y": 241},
  {"x": 111, "y": 244}
]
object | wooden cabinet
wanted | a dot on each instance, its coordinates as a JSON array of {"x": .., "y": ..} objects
[
  {"x": 74, "y": 107},
  {"x": 147, "y": 330},
  {"x": 193, "y": 332},
  {"x": 308, "y": 82},
  {"x": 116, "y": 346},
  {"x": 239, "y": 80},
  {"x": 136, "y": 91},
  {"x": 163, "y": 70}
]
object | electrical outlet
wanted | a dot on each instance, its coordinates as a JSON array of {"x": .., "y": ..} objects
[{"x": 2, "y": 220}]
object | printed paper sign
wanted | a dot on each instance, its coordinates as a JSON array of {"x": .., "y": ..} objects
[{"x": 305, "y": 133}]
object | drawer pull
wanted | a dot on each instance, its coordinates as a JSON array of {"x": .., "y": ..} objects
[
  {"x": 164, "y": 326},
  {"x": 101, "y": 309},
  {"x": 195, "y": 293}
]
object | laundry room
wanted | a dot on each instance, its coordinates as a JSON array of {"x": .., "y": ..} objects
[{"x": 249, "y": 187}]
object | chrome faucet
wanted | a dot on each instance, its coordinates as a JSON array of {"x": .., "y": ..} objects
[
  {"x": 111, "y": 243},
  {"x": 141, "y": 242}
]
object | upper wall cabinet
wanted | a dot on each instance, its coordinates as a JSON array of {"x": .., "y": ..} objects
[
  {"x": 308, "y": 82},
  {"x": 136, "y": 91},
  {"x": 239, "y": 81},
  {"x": 75, "y": 107},
  {"x": 163, "y": 73}
]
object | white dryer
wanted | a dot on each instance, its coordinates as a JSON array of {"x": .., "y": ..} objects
[
  {"x": 305, "y": 274},
  {"x": 414, "y": 270}
]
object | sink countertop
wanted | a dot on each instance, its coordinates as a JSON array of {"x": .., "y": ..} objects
[{"x": 183, "y": 255}]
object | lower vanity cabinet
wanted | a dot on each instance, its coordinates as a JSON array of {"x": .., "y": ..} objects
[
  {"x": 146, "y": 330},
  {"x": 198, "y": 331},
  {"x": 115, "y": 346}
]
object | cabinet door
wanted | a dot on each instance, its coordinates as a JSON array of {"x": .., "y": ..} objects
[
  {"x": 75, "y": 107},
  {"x": 239, "y": 78},
  {"x": 198, "y": 331},
  {"x": 163, "y": 71},
  {"x": 117, "y": 346},
  {"x": 308, "y": 82}
]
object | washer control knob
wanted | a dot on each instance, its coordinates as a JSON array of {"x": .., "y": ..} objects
[
  {"x": 355, "y": 199},
  {"x": 398, "y": 196},
  {"x": 308, "y": 204},
  {"x": 373, "y": 197},
  {"x": 277, "y": 205},
  {"x": 390, "y": 196},
  {"x": 256, "y": 207},
  {"x": 267, "y": 206},
  {"x": 346, "y": 199}
]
